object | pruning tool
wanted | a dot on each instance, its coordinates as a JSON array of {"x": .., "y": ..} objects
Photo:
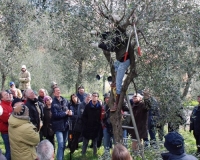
[{"x": 138, "y": 45}]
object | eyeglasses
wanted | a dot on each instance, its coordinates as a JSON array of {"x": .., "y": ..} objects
[{"x": 95, "y": 96}]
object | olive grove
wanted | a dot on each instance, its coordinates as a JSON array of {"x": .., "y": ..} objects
[{"x": 54, "y": 39}]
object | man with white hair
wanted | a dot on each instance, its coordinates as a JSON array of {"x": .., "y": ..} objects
[
  {"x": 45, "y": 150},
  {"x": 140, "y": 111},
  {"x": 24, "y": 79},
  {"x": 35, "y": 110}
]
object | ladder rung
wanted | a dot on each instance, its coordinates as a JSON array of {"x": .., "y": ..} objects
[{"x": 128, "y": 127}]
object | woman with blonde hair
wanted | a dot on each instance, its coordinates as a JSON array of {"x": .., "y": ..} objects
[{"x": 121, "y": 153}]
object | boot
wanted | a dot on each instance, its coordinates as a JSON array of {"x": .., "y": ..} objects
[{"x": 114, "y": 108}]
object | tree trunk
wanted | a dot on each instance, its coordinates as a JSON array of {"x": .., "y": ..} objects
[
  {"x": 187, "y": 86},
  {"x": 3, "y": 76},
  {"x": 80, "y": 74}
]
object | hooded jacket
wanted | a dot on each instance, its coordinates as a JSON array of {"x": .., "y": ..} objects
[
  {"x": 23, "y": 139},
  {"x": 7, "y": 110}
]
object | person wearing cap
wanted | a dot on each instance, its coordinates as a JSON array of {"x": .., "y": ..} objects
[
  {"x": 81, "y": 93},
  {"x": 23, "y": 134},
  {"x": 13, "y": 87},
  {"x": 140, "y": 110},
  {"x": 5, "y": 112},
  {"x": 195, "y": 124},
  {"x": 174, "y": 143},
  {"x": 24, "y": 79}
]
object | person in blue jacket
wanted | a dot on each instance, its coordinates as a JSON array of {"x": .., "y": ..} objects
[{"x": 60, "y": 112}]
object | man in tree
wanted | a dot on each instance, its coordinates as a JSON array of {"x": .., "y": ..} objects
[
  {"x": 24, "y": 79},
  {"x": 117, "y": 41}
]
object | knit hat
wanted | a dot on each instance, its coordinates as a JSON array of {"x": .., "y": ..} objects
[
  {"x": 24, "y": 66},
  {"x": 174, "y": 143},
  {"x": 20, "y": 111},
  {"x": 46, "y": 97}
]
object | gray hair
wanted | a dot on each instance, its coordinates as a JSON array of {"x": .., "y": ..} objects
[{"x": 45, "y": 150}]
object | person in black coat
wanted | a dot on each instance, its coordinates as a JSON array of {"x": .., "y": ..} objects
[
  {"x": 35, "y": 110},
  {"x": 78, "y": 127},
  {"x": 47, "y": 125},
  {"x": 195, "y": 124},
  {"x": 91, "y": 123}
]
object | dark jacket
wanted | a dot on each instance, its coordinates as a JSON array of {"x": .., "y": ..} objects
[
  {"x": 154, "y": 113},
  {"x": 73, "y": 118},
  {"x": 41, "y": 99},
  {"x": 79, "y": 121},
  {"x": 195, "y": 120},
  {"x": 81, "y": 97},
  {"x": 106, "y": 119},
  {"x": 35, "y": 116},
  {"x": 140, "y": 112},
  {"x": 59, "y": 117},
  {"x": 184, "y": 156},
  {"x": 47, "y": 125},
  {"x": 91, "y": 120},
  {"x": 15, "y": 100}
]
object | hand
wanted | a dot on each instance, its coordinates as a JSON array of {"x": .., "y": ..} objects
[
  {"x": 94, "y": 44},
  {"x": 70, "y": 112},
  {"x": 146, "y": 94}
]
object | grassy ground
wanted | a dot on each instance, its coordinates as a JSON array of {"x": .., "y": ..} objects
[{"x": 150, "y": 154}]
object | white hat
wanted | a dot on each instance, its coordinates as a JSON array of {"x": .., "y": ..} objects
[
  {"x": 24, "y": 66},
  {"x": 139, "y": 95}
]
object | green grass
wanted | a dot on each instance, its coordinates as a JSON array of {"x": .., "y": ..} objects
[
  {"x": 191, "y": 103},
  {"x": 150, "y": 154}
]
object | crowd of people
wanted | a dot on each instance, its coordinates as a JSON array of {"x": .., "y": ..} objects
[{"x": 30, "y": 121}]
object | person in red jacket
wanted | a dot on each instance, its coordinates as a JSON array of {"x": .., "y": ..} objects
[{"x": 5, "y": 111}]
